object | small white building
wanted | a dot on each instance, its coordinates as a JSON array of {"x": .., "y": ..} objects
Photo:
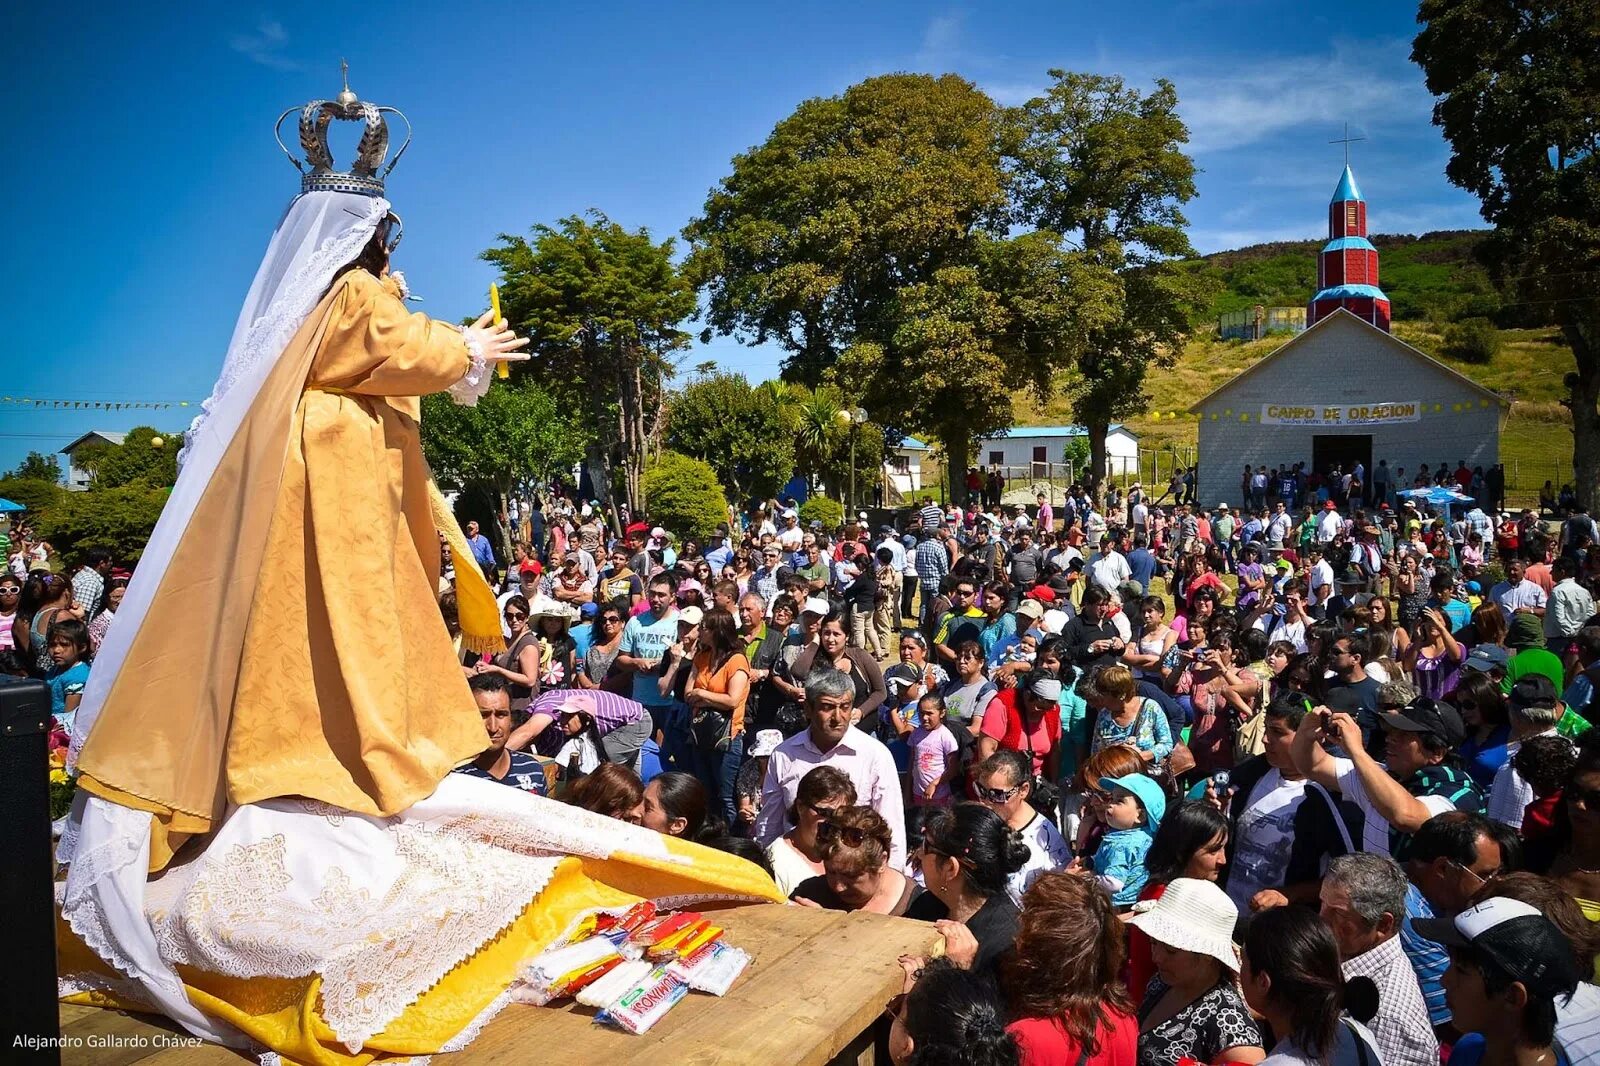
[
  {"x": 77, "y": 477},
  {"x": 1026, "y": 452},
  {"x": 902, "y": 470}
]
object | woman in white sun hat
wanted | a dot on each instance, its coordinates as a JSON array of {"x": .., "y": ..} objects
[{"x": 1193, "y": 1007}]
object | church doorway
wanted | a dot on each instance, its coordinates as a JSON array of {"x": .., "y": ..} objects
[{"x": 1341, "y": 450}]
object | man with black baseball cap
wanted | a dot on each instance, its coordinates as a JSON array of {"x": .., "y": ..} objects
[
  {"x": 1419, "y": 777},
  {"x": 1534, "y": 711},
  {"x": 1509, "y": 966}
]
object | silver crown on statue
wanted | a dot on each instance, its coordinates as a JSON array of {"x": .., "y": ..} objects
[{"x": 316, "y": 170}]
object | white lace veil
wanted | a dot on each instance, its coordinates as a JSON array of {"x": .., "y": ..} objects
[
  {"x": 320, "y": 232},
  {"x": 108, "y": 845}
]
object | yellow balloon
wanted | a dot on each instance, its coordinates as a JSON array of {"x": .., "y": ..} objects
[{"x": 156, "y": 442}]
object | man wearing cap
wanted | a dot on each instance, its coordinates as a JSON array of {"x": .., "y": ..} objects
[
  {"x": 790, "y": 536},
  {"x": 638, "y": 554},
  {"x": 1418, "y": 779},
  {"x": 1511, "y": 970},
  {"x": 1329, "y": 524},
  {"x": 1363, "y": 903},
  {"x": 1533, "y": 711},
  {"x": 718, "y": 553}
]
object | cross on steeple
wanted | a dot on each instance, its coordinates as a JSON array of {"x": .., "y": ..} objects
[{"x": 1346, "y": 140}]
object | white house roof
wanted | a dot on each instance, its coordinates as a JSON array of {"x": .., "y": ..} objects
[
  {"x": 110, "y": 436},
  {"x": 1020, "y": 432},
  {"x": 1342, "y": 315}
]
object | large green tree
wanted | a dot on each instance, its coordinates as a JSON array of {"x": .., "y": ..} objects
[
  {"x": 515, "y": 434},
  {"x": 37, "y": 466},
  {"x": 744, "y": 436},
  {"x": 1104, "y": 164},
  {"x": 870, "y": 237},
  {"x": 146, "y": 456},
  {"x": 602, "y": 306},
  {"x": 1518, "y": 87}
]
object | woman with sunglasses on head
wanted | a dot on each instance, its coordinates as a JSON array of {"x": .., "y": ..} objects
[
  {"x": 833, "y": 649},
  {"x": 605, "y": 641},
  {"x": 1433, "y": 659},
  {"x": 45, "y": 600},
  {"x": 1482, "y": 706},
  {"x": 968, "y": 857},
  {"x": 857, "y": 875},
  {"x": 519, "y": 663},
  {"x": 949, "y": 1016},
  {"x": 797, "y": 855}
]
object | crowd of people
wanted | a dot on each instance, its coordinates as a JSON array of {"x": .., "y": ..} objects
[{"x": 1302, "y": 781}]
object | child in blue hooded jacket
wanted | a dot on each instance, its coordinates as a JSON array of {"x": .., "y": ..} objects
[{"x": 1133, "y": 810}]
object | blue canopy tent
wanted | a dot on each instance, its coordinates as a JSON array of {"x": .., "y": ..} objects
[
  {"x": 1438, "y": 496},
  {"x": 7, "y": 506}
]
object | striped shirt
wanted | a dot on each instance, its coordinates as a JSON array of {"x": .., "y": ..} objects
[
  {"x": 932, "y": 517},
  {"x": 1429, "y": 961}
]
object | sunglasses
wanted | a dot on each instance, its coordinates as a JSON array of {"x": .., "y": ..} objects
[
  {"x": 610, "y": 620},
  {"x": 997, "y": 795},
  {"x": 851, "y": 837},
  {"x": 896, "y": 1006},
  {"x": 515, "y": 616}
]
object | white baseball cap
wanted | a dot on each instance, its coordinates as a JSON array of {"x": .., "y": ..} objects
[
  {"x": 816, "y": 605},
  {"x": 766, "y": 742}
]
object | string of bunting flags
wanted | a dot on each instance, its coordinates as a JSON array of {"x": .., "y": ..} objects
[{"x": 93, "y": 405}]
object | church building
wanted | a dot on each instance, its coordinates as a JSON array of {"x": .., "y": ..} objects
[{"x": 1345, "y": 391}]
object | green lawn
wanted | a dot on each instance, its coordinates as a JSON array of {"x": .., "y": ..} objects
[{"x": 1535, "y": 445}]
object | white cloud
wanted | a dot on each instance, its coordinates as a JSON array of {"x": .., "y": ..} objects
[
  {"x": 265, "y": 46},
  {"x": 1371, "y": 86}
]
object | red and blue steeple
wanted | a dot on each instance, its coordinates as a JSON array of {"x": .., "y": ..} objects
[{"x": 1347, "y": 267}]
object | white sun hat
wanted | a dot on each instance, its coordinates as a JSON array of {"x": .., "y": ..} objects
[{"x": 1191, "y": 915}]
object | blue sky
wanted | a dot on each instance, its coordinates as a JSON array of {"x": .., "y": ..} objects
[{"x": 144, "y": 180}]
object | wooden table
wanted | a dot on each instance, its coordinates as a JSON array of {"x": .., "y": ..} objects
[{"x": 811, "y": 996}]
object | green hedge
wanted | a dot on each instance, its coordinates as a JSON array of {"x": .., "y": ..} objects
[
  {"x": 829, "y": 512},
  {"x": 684, "y": 496}
]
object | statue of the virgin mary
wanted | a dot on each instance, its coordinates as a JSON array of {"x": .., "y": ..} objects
[{"x": 269, "y": 845}]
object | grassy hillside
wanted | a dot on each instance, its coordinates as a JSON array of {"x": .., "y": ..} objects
[
  {"x": 1434, "y": 276},
  {"x": 1536, "y": 443}
]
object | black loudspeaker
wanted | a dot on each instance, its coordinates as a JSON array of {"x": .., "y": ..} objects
[{"x": 29, "y": 1016}]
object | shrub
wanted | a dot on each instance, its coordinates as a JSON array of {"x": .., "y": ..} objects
[
  {"x": 118, "y": 520},
  {"x": 35, "y": 494},
  {"x": 821, "y": 509},
  {"x": 684, "y": 496},
  {"x": 1472, "y": 340}
]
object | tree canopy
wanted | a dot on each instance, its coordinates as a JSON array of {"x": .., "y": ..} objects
[
  {"x": 746, "y": 437},
  {"x": 1100, "y": 162},
  {"x": 37, "y": 466},
  {"x": 1518, "y": 88},
  {"x": 138, "y": 459},
  {"x": 874, "y": 236},
  {"x": 602, "y": 306}
]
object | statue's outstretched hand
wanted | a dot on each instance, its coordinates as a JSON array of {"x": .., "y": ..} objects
[{"x": 499, "y": 344}]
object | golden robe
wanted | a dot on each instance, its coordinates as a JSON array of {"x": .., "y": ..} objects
[
  {"x": 295, "y": 645},
  {"x": 294, "y": 648}
]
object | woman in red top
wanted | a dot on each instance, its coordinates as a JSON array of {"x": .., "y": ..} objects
[
  {"x": 1063, "y": 978},
  {"x": 1192, "y": 841}
]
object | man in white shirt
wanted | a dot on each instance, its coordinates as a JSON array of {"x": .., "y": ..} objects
[
  {"x": 792, "y": 535},
  {"x": 1109, "y": 569},
  {"x": 889, "y": 540},
  {"x": 830, "y": 740},
  {"x": 1319, "y": 580},
  {"x": 1570, "y": 606},
  {"x": 1533, "y": 712},
  {"x": 1329, "y": 524},
  {"x": 1421, "y": 738},
  {"x": 1516, "y": 593}
]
